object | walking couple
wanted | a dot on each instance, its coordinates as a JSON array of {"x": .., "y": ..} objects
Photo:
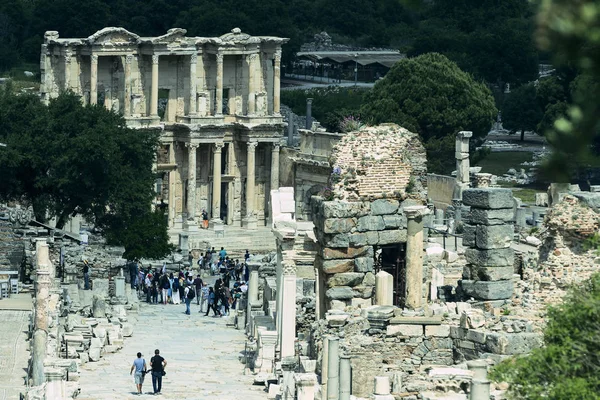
[{"x": 157, "y": 368}]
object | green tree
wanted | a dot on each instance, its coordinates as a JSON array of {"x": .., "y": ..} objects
[
  {"x": 568, "y": 366},
  {"x": 521, "y": 110},
  {"x": 67, "y": 159},
  {"x": 431, "y": 96}
]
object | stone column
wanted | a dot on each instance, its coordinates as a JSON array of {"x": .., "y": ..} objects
[
  {"x": 305, "y": 383},
  {"x": 381, "y": 388},
  {"x": 250, "y": 185},
  {"x": 120, "y": 285},
  {"x": 276, "y": 82},
  {"x": 483, "y": 180},
  {"x": 275, "y": 167},
  {"x": 216, "y": 196},
  {"x": 288, "y": 312},
  {"x": 55, "y": 387},
  {"x": 127, "y": 92},
  {"x": 462, "y": 161},
  {"x": 345, "y": 378},
  {"x": 191, "y": 186},
  {"x": 193, "y": 108},
  {"x": 324, "y": 365},
  {"x": 251, "y": 60},
  {"x": 414, "y": 255},
  {"x": 309, "y": 113},
  {"x": 252, "y": 293},
  {"x": 290, "y": 129},
  {"x": 333, "y": 369},
  {"x": 94, "y": 79},
  {"x": 267, "y": 341},
  {"x": 480, "y": 385},
  {"x": 154, "y": 87},
  {"x": 67, "y": 69},
  {"x": 219, "y": 96},
  {"x": 40, "y": 336}
]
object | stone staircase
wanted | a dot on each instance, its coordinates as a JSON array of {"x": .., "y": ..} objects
[{"x": 234, "y": 239}]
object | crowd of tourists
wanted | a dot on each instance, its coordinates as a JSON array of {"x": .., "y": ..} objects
[{"x": 186, "y": 286}]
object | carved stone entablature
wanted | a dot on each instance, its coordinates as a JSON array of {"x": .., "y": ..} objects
[
  {"x": 15, "y": 215},
  {"x": 113, "y": 36},
  {"x": 236, "y": 36},
  {"x": 174, "y": 37}
]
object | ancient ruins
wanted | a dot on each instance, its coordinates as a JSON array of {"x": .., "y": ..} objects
[{"x": 381, "y": 281}]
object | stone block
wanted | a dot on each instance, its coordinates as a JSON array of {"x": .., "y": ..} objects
[
  {"x": 363, "y": 264},
  {"x": 490, "y": 258},
  {"x": 370, "y": 223},
  {"x": 344, "y": 209},
  {"x": 469, "y": 235},
  {"x": 358, "y": 239},
  {"x": 490, "y": 198},
  {"x": 345, "y": 279},
  {"x": 337, "y": 320},
  {"x": 362, "y": 303},
  {"x": 394, "y": 221},
  {"x": 490, "y": 273},
  {"x": 369, "y": 279},
  {"x": 457, "y": 332},
  {"x": 481, "y": 290},
  {"x": 404, "y": 330},
  {"x": 340, "y": 293},
  {"x": 478, "y": 216},
  {"x": 336, "y": 266},
  {"x": 372, "y": 238},
  {"x": 364, "y": 292},
  {"x": 348, "y": 252},
  {"x": 541, "y": 199},
  {"x": 494, "y": 237},
  {"x": 437, "y": 330},
  {"x": 384, "y": 207},
  {"x": 434, "y": 254},
  {"x": 392, "y": 237},
  {"x": 592, "y": 199},
  {"x": 476, "y": 336},
  {"x": 512, "y": 343},
  {"x": 339, "y": 225},
  {"x": 337, "y": 240}
]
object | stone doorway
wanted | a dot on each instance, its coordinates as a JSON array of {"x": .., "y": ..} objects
[
  {"x": 391, "y": 259},
  {"x": 224, "y": 202}
]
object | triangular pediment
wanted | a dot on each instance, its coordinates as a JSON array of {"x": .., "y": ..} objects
[
  {"x": 113, "y": 36},
  {"x": 173, "y": 36}
]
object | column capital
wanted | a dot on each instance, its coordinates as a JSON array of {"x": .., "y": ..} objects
[
  {"x": 94, "y": 58},
  {"x": 252, "y": 146},
  {"x": 67, "y": 56},
  {"x": 219, "y": 58},
  {"x": 218, "y": 147},
  {"x": 192, "y": 146},
  {"x": 414, "y": 212},
  {"x": 252, "y": 56},
  {"x": 128, "y": 59},
  {"x": 276, "y": 147},
  {"x": 277, "y": 56},
  {"x": 155, "y": 58},
  {"x": 289, "y": 268},
  {"x": 193, "y": 58}
]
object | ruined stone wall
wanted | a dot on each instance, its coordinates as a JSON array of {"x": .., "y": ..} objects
[{"x": 440, "y": 189}]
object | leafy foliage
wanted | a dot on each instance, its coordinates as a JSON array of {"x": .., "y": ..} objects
[
  {"x": 568, "y": 366},
  {"x": 521, "y": 110},
  {"x": 431, "y": 96},
  {"x": 67, "y": 159}
]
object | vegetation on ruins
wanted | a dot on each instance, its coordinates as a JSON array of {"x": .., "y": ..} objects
[
  {"x": 568, "y": 366},
  {"x": 66, "y": 159},
  {"x": 431, "y": 96}
]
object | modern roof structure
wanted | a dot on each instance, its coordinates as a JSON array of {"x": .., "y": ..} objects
[{"x": 384, "y": 57}]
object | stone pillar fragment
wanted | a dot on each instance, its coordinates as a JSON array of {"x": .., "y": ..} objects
[
  {"x": 251, "y": 60},
  {"x": 191, "y": 184},
  {"x": 414, "y": 255},
  {"x": 288, "y": 313},
  {"x": 276, "y": 82},
  {"x": 305, "y": 384},
  {"x": 333, "y": 369},
  {"x": 219, "y": 95},
  {"x": 250, "y": 186},
  {"x": 267, "y": 341},
  {"x": 345, "y": 378},
  {"x": 309, "y": 113},
  {"x": 216, "y": 196},
  {"x": 384, "y": 289},
  {"x": 154, "y": 87},
  {"x": 275, "y": 167},
  {"x": 94, "y": 79},
  {"x": 381, "y": 388},
  {"x": 462, "y": 161},
  {"x": 290, "y": 129},
  {"x": 480, "y": 385},
  {"x": 68, "y": 69},
  {"x": 127, "y": 89}
]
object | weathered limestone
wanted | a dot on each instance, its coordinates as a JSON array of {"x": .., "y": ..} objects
[
  {"x": 305, "y": 383},
  {"x": 216, "y": 198},
  {"x": 345, "y": 378},
  {"x": 414, "y": 255},
  {"x": 462, "y": 160},
  {"x": 480, "y": 385},
  {"x": 94, "y": 79},
  {"x": 488, "y": 235},
  {"x": 219, "y": 95},
  {"x": 381, "y": 388},
  {"x": 288, "y": 315},
  {"x": 154, "y": 87},
  {"x": 250, "y": 185},
  {"x": 275, "y": 167},
  {"x": 333, "y": 369},
  {"x": 384, "y": 289},
  {"x": 191, "y": 198}
]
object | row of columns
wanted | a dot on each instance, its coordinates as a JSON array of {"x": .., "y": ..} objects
[
  {"x": 254, "y": 86},
  {"x": 250, "y": 177}
]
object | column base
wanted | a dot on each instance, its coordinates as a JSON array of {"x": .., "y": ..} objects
[
  {"x": 250, "y": 222},
  {"x": 191, "y": 225}
]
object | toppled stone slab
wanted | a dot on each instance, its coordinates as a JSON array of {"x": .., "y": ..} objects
[
  {"x": 512, "y": 343},
  {"x": 417, "y": 320},
  {"x": 484, "y": 290},
  {"x": 340, "y": 293}
]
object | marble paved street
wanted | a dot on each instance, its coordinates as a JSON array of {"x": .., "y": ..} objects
[
  {"x": 203, "y": 356},
  {"x": 13, "y": 351}
]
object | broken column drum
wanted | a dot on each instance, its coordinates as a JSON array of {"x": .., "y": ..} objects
[
  {"x": 414, "y": 255},
  {"x": 333, "y": 369},
  {"x": 288, "y": 315}
]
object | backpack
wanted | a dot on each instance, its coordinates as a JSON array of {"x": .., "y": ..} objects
[{"x": 191, "y": 294}]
